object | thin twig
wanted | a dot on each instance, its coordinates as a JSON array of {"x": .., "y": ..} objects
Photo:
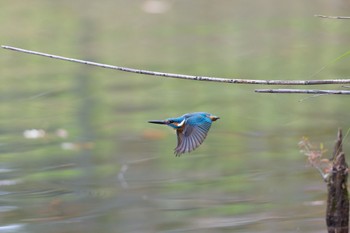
[
  {"x": 332, "y": 17},
  {"x": 183, "y": 76},
  {"x": 302, "y": 91}
]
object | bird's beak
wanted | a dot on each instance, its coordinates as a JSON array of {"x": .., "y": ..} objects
[
  {"x": 160, "y": 122},
  {"x": 214, "y": 118}
]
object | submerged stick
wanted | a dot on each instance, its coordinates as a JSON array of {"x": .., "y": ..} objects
[
  {"x": 184, "y": 76},
  {"x": 337, "y": 215}
]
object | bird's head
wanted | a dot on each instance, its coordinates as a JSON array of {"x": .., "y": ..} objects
[{"x": 175, "y": 123}]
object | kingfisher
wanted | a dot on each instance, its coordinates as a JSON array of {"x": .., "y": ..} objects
[{"x": 191, "y": 129}]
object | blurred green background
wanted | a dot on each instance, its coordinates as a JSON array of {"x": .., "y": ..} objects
[{"x": 77, "y": 153}]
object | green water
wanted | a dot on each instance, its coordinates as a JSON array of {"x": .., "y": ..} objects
[{"x": 96, "y": 165}]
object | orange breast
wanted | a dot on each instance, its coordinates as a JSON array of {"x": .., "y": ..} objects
[{"x": 181, "y": 128}]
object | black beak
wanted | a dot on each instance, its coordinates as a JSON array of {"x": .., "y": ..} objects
[{"x": 160, "y": 122}]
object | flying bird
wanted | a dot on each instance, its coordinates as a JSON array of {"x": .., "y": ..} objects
[{"x": 191, "y": 129}]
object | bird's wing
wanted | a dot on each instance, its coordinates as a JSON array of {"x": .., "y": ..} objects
[{"x": 192, "y": 134}]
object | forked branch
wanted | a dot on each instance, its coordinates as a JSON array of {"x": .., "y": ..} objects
[{"x": 199, "y": 78}]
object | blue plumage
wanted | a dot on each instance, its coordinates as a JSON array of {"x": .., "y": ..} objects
[{"x": 191, "y": 130}]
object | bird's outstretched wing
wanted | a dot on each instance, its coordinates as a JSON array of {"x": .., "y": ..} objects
[{"x": 192, "y": 134}]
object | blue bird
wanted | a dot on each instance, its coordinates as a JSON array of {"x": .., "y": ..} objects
[{"x": 191, "y": 129}]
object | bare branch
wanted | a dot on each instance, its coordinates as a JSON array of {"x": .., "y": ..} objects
[
  {"x": 183, "y": 76},
  {"x": 332, "y": 17},
  {"x": 302, "y": 91}
]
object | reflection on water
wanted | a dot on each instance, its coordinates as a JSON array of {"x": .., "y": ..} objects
[
  {"x": 12, "y": 228},
  {"x": 202, "y": 192},
  {"x": 77, "y": 153}
]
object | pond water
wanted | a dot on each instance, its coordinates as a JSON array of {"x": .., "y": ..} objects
[{"x": 77, "y": 153}]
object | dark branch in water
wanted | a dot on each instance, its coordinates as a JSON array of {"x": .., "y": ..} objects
[{"x": 337, "y": 216}]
